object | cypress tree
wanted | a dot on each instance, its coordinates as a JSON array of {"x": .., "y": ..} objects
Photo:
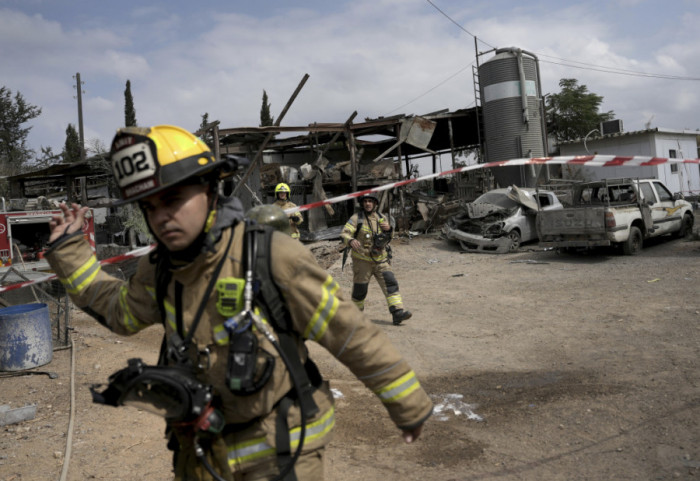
[
  {"x": 129, "y": 111},
  {"x": 71, "y": 149},
  {"x": 265, "y": 118}
]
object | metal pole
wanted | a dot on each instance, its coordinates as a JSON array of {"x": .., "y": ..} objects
[{"x": 78, "y": 86}]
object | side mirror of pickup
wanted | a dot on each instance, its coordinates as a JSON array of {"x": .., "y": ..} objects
[{"x": 678, "y": 196}]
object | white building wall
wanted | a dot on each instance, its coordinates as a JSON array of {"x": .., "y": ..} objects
[{"x": 684, "y": 178}]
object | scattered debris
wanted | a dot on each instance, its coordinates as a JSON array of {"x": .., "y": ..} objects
[
  {"x": 454, "y": 403},
  {"x": 14, "y": 416}
]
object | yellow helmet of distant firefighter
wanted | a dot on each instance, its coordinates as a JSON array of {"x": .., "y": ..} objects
[{"x": 282, "y": 187}]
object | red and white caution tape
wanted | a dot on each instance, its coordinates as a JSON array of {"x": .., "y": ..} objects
[
  {"x": 578, "y": 160},
  {"x": 112, "y": 260}
]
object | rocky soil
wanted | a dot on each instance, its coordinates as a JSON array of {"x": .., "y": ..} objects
[{"x": 541, "y": 366}]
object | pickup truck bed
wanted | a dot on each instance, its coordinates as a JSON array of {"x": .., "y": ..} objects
[{"x": 614, "y": 212}]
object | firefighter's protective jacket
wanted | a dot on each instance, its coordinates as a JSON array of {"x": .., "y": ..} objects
[
  {"x": 369, "y": 227},
  {"x": 319, "y": 311},
  {"x": 295, "y": 219}
]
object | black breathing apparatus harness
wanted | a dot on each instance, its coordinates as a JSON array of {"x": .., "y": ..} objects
[{"x": 171, "y": 388}]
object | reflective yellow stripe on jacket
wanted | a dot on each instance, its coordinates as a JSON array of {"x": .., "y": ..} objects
[
  {"x": 398, "y": 389},
  {"x": 82, "y": 277},
  {"x": 131, "y": 323},
  {"x": 325, "y": 311},
  {"x": 258, "y": 448}
]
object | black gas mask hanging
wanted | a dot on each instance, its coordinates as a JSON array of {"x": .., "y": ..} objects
[{"x": 172, "y": 392}]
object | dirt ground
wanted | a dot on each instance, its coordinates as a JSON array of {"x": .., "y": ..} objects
[{"x": 542, "y": 366}]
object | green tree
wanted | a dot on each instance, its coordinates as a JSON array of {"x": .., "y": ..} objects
[
  {"x": 14, "y": 112},
  {"x": 265, "y": 118},
  {"x": 47, "y": 158},
  {"x": 129, "y": 111},
  {"x": 573, "y": 112},
  {"x": 72, "y": 148},
  {"x": 205, "y": 134}
]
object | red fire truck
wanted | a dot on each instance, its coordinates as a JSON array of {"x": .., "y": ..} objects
[{"x": 24, "y": 235}]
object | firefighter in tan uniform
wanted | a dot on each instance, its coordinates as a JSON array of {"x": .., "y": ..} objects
[
  {"x": 368, "y": 233},
  {"x": 251, "y": 425},
  {"x": 282, "y": 193}
]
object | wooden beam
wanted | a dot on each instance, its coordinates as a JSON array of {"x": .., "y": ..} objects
[{"x": 258, "y": 156}]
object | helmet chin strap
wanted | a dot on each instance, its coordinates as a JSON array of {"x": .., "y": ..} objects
[{"x": 211, "y": 218}]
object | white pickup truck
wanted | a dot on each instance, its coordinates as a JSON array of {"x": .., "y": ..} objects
[{"x": 615, "y": 212}]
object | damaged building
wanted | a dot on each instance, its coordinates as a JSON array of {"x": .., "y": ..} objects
[{"x": 322, "y": 161}]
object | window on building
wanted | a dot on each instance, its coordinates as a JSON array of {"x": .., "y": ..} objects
[{"x": 674, "y": 166}]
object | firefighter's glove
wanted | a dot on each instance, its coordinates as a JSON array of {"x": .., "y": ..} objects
[{"x": 67, "y": 224}]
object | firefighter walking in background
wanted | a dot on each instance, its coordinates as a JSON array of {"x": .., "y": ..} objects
[
  {"x": 237, "y": 300},
  {"x": 368, "y": 234},
  {"x": 282, "y": 193}
]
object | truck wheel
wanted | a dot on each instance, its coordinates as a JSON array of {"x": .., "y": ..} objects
[
  {"x": 686, "y": 227},
  {"x": 514, "y": 237},
  {"x": 634, "y": 242}
]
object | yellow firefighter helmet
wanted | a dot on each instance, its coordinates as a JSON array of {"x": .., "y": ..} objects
[{"x": 147, "y": 160}]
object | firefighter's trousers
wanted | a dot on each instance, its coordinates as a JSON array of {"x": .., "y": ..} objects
[
  {"x": 309, "y": 467},
  {"x": 363, "y": 271}
]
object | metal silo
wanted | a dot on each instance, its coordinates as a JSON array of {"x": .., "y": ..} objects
[{"x": 510, "y": 93}]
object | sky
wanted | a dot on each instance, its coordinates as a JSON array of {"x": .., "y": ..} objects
[{"x": 376, "y": 57}]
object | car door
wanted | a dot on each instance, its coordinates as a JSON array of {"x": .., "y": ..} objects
[{"x": 664, "y": 214}]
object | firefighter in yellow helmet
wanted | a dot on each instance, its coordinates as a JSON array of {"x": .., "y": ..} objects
[
  {"x": 282, "y": 193},
  {"x": 368, "y": 234},
  {"x": 234, "y": 381}
]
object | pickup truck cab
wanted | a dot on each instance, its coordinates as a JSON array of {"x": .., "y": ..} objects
[{"x": 620, "y": 212}]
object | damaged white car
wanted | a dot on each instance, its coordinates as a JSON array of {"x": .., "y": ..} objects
[{"x": 500, "y": 220}]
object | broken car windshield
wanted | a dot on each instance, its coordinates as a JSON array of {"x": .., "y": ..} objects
[{"x": 496, "y": 198}]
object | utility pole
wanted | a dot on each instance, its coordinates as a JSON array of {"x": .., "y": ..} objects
[
  {"x": 79, "y": 88},
  {"x": 83, "y": 180}
]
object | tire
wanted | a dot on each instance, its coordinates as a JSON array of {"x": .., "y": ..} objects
[
  {"x": 514, "y": 237},
  {"x": 686, "y": 227},
  {"x": 634, "y": 242}
]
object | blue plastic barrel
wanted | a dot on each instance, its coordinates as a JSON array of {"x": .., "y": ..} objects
[{"x": 25, "y": 337}]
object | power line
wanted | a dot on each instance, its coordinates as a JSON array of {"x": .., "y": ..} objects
[
  {"x": 458, "y": 25},
  {"x": 430, "y": 90},
  {"x": 620, "y": 71}
]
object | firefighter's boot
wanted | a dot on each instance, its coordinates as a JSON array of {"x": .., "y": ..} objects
[{"x": 400, "y": 315}]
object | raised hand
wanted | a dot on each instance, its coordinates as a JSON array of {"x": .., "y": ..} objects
[{"x": 70, "y": 221}]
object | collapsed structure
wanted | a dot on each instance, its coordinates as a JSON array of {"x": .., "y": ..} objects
[{"x": 327, "y": 160}]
